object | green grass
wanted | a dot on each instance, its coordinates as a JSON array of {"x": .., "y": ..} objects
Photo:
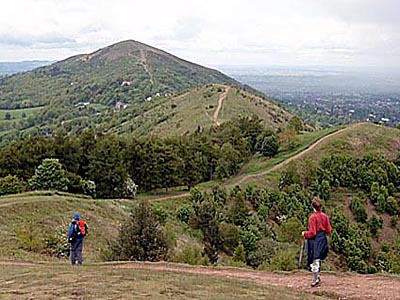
[
  {"x": 258, "y": 163},
  {"x": 306, "y": 139},
  {"x": 17, "y": 113},
  {"x": 60, "y": 281},
  {"x": 195, "y": 108},
  {"x": 358, "y": 140},
  {"x": 44, "y": 213}
]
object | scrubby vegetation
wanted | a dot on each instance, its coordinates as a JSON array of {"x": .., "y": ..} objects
[{"x": 108, "y": 165}]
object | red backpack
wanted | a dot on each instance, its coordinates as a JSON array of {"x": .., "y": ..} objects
[{"x": 83, "y": 227}]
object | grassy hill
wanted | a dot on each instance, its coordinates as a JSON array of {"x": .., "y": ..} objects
[
  {"x": 54, "y": 210},
  {"x": 357, "y": 140},
  {"x": 37, "y": 216},
  {"x": 199, "y": 108},
  {"x": 128, "y": 86}
]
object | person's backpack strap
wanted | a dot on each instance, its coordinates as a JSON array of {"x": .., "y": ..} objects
[
  {"x": 86, "y": 228},
  {"x": 75, "y": 231}
]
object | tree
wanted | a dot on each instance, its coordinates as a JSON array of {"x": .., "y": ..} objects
[
  {"x": 228, "y": 161},
  {"x": 107, "y": 167},
  {"x": 296, "y": 124},
  {"x": 205, "y": 218},
  {"x": 358, "y": 210},
  {"x": 49, "y": 176},
  {"x": 10, "y": 185},
  {"x": 141, "y": 237},
  {"x": 268, "y": 145},
  {"x": 88, "y": 187}
]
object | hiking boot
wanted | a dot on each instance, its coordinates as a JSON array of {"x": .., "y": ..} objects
[{"x": 316, "y": 283}]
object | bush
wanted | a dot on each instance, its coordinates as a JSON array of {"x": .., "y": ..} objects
[
  {"x": 10, "y": 185},
  {"x": 184, "y": 214},
  {"x": 49, "y": 176},
  {"x": 358, "y": 210},
  {"x": 265, "y": 251},
  {"x": 394, "y": 220},
  {"x": 189, "y": 255},
  {"x": 392, "y": 207},
  {"x": 141, "y": 236},
  {"x": 130, "y": 188},
  {"x": 283, "y": 261},
  {"x": 88, "y": 187},
  {"x": 357, "y": 248},
  {"x": 375, "y": 224},
  {"x": 160, "y": 214},
  {"x": 230, "y": 237},
  {"x": 56, "y": 243},
  {"x": 31, "y": 237},
  {"x": 290, "y": 231},
  {"x": 239, "y": 254}
]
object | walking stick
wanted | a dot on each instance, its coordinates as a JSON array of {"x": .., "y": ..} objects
[{"x": 303, "y": 241}]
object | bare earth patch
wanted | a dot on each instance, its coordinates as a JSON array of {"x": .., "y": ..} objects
[{"x": 335, "y": 286}]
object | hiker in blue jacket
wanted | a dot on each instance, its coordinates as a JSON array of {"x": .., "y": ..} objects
[{"x": 76, "y": 234}]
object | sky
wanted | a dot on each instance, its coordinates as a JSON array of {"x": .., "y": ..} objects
[{"x": 354, "y": 33}]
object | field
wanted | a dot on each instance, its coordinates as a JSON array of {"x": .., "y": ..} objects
[
  {"x": 17, "y": 114},
  {"x": 113, "y": 281},
  {"x": 30, "y": 273}
]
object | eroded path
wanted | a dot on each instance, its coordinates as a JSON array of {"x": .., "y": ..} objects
[
  {"x": 336, "y": 286},
  {"x": 294, "y": 157},
  {"x": 345, "y": 286},
  {"x": 219, "y": 107}
]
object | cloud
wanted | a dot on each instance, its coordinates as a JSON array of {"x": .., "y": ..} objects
[
  {"x": 40, "y": 41},
  {"x": 207, "y": 31}
]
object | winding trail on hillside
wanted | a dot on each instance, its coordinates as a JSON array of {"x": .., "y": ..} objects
[
  {"x": 294, "y": 157},
  {"x": 238, "y": 181},
  {"x": 144, "y": 63},
  {"x": 219, "y": 107}
]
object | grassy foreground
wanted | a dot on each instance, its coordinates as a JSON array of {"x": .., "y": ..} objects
[{"x": 61, "y": 281}]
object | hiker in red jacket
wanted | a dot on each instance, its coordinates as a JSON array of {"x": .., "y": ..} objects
[{"x": 317, "y": 243}]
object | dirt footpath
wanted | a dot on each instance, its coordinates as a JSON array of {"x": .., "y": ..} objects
[{"x": 335, "y": 286}]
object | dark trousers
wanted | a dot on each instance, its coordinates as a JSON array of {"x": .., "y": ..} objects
[{"x": 76, "y": 252}]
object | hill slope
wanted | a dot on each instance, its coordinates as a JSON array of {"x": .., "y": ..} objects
[
  {"x": 202, "y": 107},
  {"x": 87, "y": 90},
  {"x": 128, "y": 71}
]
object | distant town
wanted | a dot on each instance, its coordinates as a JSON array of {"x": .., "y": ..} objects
[{"x": 329, "y": 97}]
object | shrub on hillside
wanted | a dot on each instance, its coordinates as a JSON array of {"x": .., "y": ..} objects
[
  {"x": 374, "y": 224},
  {"x": 10, "y": 185},
  {"x": 358, "y": 210},
  {"x": 357, "y": 250},
  {"x": 392, "y": 206},
  {"x": 184, "y": 214},
  {"x": 267, "y": 144},
  {"x": 265, "y": 251},
  {"x": 290, "y": 231},
  {"x": 56, "y": 242},
  {"x": 189, "y": 255},
  {"x": 141, "y": 237},
  {"x": 30, "y": 236},
  {"x": 49, "y": 176},
  {"x": 284, "y": 260},
  {"x": 239, "y": 254},
  {"x": 230, "y": 237},
  {"x": 88, "y": 187}
]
